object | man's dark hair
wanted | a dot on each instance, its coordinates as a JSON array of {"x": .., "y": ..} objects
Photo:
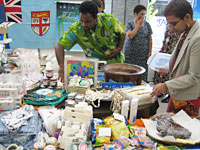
[
  {"x": 178, "y": 8},
  {"x": 138, "y": 8},
  {"x": 89, "y": 7}
]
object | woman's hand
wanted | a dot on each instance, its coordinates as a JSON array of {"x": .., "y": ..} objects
[
  {"x": 128, "y": 34},
  {"x": 162, "y": 71},
  {"x": 159, "y": 89},
  {"x": 149, "y": 54},
  {"x": 140, "y": 22}
]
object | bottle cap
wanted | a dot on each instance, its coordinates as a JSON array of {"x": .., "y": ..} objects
[{"x": 49, "y": 66}]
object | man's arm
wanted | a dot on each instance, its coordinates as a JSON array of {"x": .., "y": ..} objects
[
  {"x": 59, "y": 50},
  {"x": 117, "y": 50}
]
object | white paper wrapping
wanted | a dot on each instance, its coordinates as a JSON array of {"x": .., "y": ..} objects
[{"x": 192, "y": 124}]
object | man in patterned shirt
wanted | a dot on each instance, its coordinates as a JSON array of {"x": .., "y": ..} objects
[{"x": 99, "y": 35}]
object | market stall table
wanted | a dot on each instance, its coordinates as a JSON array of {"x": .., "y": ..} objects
[{"x": 144, "y": 110}]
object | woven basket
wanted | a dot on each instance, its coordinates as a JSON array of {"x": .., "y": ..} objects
[{"x": 77, "y": 89}]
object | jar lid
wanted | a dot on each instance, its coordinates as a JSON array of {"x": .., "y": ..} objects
[
  {"x": 49, "y": 66},
  {"x": 50, "y": 147},
  {"x": 44, "y": 77},
  {"x": 53, "y": 79}
]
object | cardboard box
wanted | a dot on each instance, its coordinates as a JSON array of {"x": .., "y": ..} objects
[
  {"x": 77, "y": 114},
  {"x": 4, "y": 26},
  {"x": 3, "y": 30}
]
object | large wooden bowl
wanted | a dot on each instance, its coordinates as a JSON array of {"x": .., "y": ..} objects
[{"x": 124, "y": 73}]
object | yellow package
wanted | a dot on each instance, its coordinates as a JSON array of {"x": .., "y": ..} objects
[
  {"x": 118, "y": 128},
  {"x": 101, "y": 140}
]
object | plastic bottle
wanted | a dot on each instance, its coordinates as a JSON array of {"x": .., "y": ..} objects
[
  {"x": 125, "y": 108},
  {"x": 59, "y": 126},
  {"x": 133, "y": 110},
  {"x": 49, "y": 70}
]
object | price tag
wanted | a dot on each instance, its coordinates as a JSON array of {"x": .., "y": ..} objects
[{"x": 104, "y": 131}]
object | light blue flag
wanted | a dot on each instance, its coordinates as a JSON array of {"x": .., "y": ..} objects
[{"x": 38, "y": 28}]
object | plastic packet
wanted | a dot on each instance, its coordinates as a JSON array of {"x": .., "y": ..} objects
[
  {"x": 111, "y": 146},
  {"x": 146, "y": 141},
  {"x": 118, "y": 128},
  {"x": 100, "y": 140},
  {"x": 139, "y": 131},
  {"x": 95, "y": 122},
  {"x": 131, "y": 129}
]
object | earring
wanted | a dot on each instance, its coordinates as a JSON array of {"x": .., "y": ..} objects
[{"x": 188, "y": 25}]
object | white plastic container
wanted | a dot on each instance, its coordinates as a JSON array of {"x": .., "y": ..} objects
[
  {"x": 125, "y": 108},
  {"x": 159, "y": 61},
  {"x": 133, "y": 110}
]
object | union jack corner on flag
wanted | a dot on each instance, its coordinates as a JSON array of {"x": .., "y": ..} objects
[{"x": 12, "y": 10}]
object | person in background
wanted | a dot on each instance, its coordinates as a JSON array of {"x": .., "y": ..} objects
[
  {"x": 184, "y": 83},
  {"x": 99, "y": 35},
  {"x": 170, "y": 40},
  {"x": 138, "y": 43},
  {"x": 103, "y": 2},
  {"x": 99, "y": 4}
]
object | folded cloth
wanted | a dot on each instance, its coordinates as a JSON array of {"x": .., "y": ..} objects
[{"x": 15, "y": 119}]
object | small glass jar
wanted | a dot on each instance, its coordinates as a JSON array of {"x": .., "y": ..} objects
[
  {"x": 53, "y": 82},
  {"x": 45, "y": 82},
  {"x": 49, "y": 73}
]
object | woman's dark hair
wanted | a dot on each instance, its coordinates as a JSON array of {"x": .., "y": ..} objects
[
  {"x": 138, "y": 8},
  {"x": 99, "y": 3},
  {"x": 178, "y": 8},
  {"x": 89, "y": 7},
  {"x": 103, "y": 3}
]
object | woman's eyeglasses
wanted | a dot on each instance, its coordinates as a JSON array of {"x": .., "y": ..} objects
[{"x": 173, "y": 24}]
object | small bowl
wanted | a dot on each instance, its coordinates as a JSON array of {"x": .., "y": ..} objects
[{"x": 124, "y": 73}]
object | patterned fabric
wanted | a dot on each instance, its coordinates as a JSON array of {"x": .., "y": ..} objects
[
  {"x": 136, "y": 50},
  {"x": 25, "y": 136},
  {"x": 12, "y": 10},
  {"x": 170, "y": 41},
  {"x": 98, "y": 43},
  {"x": 191, "y": 107}
]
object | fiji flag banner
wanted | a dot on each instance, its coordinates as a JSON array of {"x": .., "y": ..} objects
[
  {"x": 10, "y": 10},
  {"x": 196, "y": 10},
  {"x": 38, "y": 27}
]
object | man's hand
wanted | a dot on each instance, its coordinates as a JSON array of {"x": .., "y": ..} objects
[
  {"x": 113, "y": 53},
  {"x": 61, "y": 73},
  {"x": 159, "y": 89}
]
